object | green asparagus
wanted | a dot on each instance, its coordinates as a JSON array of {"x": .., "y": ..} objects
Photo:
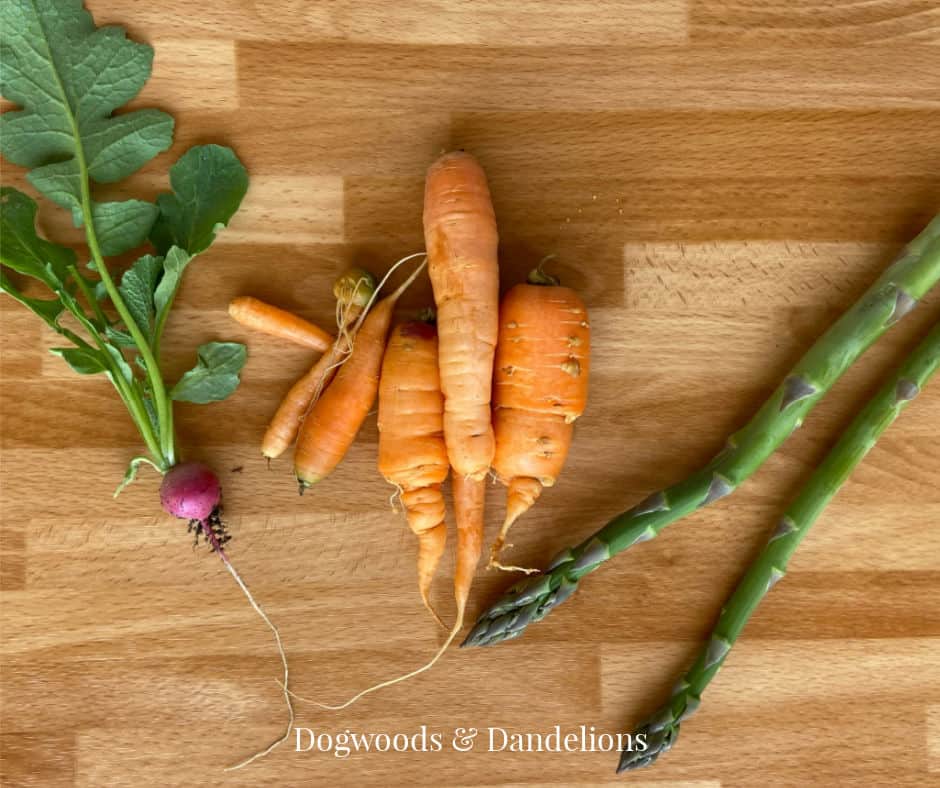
[
  {"x": 891, "y": 297},
  {"x": 662, "y": 728}
]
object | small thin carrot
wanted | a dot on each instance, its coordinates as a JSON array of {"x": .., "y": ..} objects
[
  {"x": 284, "y": 426},
  {"x": 260, "y": 316},
  {"x": 412, "y": 454},
  {"x": 353, "y": 290},
  {"x": 540, "y": 388},
  {"x": 335, "y": 418}
]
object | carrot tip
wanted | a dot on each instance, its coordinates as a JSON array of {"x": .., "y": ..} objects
[
  {"x": 433, "y": 612},
  {"x": 307, "y": 481}
]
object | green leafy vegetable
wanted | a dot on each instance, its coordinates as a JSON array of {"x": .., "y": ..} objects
[
  {"x": 122, "y": 225},
  {"x": 81, "y": 360},
  {"x": 215, "y": 376},
  {"x": 208, "y": 183},
  {"x": 174, "y": 264},
  {"x": 22, "y": 250},
  {"x": 137, "y": 286},
  {"x": 68, "y": 78}
]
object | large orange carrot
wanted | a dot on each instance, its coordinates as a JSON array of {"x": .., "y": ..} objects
[
  {"x": 412, "y": 455},
  {"x": 258, "y": 315},
  {"x": 540, "y": 388},
  {"x": 353, "y": 291},
  {"x": 461, "y": 240},
  {"x": 332, "y": 423}
]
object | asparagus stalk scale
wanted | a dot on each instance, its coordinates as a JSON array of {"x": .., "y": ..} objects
[
  {"x": 891, "y": 297},
  {"x": 662, "y": 728}
]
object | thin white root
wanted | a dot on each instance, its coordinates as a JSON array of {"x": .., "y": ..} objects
[
  {"x": 280, "y": 649},
  {"x": 510, "y": 568},
  {"x": 395, "y": 498},
  {"x": 404, "y": 286},
  {"x": 450, "y": 639}
]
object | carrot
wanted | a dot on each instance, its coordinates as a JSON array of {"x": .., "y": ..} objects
[
  {"x": 258, "y": 315},
  {"x": 334, "y": 419},
  {"x": 286, "y": 422},
  {"x": 353, "y": 291},
  {"x": 412, "y": 455},
  {"x": 540, "y": 388},
  {"x": 461, "y": 240}
]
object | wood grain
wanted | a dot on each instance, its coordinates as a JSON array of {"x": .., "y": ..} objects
[{"x": 720, "y": 180}]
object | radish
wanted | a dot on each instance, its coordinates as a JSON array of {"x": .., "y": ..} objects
[
  {"x": 69, "y": 80},
  {"x": 192, "y": 492}
]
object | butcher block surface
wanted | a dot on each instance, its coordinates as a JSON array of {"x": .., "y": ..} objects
[{"x": 719, "y": 180}]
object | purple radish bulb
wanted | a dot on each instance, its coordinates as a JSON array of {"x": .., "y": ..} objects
[{"x": 190, "y": 491}]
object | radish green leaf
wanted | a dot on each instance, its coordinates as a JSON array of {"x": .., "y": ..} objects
[{"x": 215, "y": 376}]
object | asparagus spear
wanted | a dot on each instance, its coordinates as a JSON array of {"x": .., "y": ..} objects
[
  {"x": 891, "y": 297},
  {"x": 662, "y": 728}
]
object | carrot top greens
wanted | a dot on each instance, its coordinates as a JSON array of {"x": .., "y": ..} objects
[{"x": 69, "y": 77}]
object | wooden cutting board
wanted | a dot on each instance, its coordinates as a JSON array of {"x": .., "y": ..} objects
[{"x": 720, "y": 180}]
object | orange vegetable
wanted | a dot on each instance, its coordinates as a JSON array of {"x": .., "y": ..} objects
[
  {"x": 286, "y": 422},
  {"x": 412, "y": 455},
  {"x": 353, "y": 291},
  {"x": 461, "y": 240},
  {"x": 540, "y": 388},
  {"x": 334, "y": 419},
  {"x": 268, "y": 319}
]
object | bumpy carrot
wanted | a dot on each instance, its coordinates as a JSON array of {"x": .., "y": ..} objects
[
  {"x": 412, "y": 455},
  {"x": 461, "y": 240},
  {"x": 540, "y": 388}
]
